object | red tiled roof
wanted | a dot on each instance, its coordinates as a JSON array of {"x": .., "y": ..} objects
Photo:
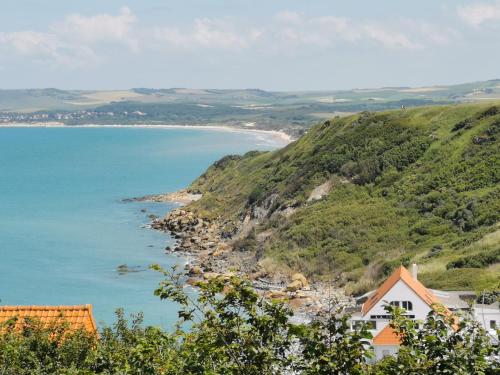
[
  {"x": 387, "y": 337},
  {"x": 76, "y": 316},
  {"x": 400, "y": 274}
]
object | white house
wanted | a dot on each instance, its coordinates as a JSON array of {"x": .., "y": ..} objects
[
  {"x": 403, "y": 289},
  {"x": 488, "y": 316}
]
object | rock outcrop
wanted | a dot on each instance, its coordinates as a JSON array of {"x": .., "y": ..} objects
[{"x": 210, "y": 248}]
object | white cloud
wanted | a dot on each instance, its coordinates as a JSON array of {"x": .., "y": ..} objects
[
  {"x": 329, "y": 30},
  {"x": 209, "y": 33},
  {"x": 46, "y": 47},
  {"x": 73, "y": 41},
  {"x": 289, "y": 17},
  {"x": 389, "y": 38},
  {"x": 288, "y": 31},
  {"x": 79, "y": 40},
  {"x": 479, "y": 13},
  {"x": 430, "y": 34},
  {"x": 101, "y": 28},
  {"x": 30, "y": 42},
  {"x": 213, "y": 33}
]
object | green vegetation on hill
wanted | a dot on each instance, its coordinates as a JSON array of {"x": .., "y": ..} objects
[{"x": 419, "y": 185}]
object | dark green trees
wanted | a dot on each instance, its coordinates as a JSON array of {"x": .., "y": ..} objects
[{"x": 230, "y": 329}]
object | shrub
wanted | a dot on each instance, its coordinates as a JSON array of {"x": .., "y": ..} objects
[
  {"x": 256, "y": 195},
  {"x": 439, "y": 346},
  {"x": 492, "y": 111},
  {"x": 230, "y": 330},
  {"x": 37, "y": 348},
  {"x": 225, "y": 161},
  {"x": 482, "y": 260},
  {"x": 464, "y": 124}
]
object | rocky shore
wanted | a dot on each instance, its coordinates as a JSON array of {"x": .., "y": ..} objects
[
  {"x": 181, "y": 197},
  {"x": 211, "y": 254}
]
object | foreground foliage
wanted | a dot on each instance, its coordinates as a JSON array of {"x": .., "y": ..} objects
[
  {"x": 440, "y": 346},
  {"x": 230, "y": 329}
]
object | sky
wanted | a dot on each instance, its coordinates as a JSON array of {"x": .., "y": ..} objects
[{"x": 277, "y": 45}]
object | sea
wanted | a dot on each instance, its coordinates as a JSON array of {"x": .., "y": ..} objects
[{"x": 65, "y": 229}]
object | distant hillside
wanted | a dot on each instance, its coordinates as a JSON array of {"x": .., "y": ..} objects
[
  {"x": 357, "y": 196},
  {"x": 293, "y": 112}
]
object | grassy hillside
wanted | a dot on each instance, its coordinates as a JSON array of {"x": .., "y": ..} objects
[{"x": 403, "y": 186}]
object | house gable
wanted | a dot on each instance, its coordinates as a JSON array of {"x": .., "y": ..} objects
[
  {"x": 400, "y": 275},
  {"x": 400, "y": 291}
]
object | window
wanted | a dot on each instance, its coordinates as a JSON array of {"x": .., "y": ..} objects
[
  {"x": 388, "y": 317},
  {"x": 493, "y": 324},
  {"x": 407, "y": 305}
]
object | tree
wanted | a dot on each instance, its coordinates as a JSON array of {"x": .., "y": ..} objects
[
  {"x": 329, "y": 346},
  {"x": 230, "y": 329},
  {"x": 131, "y": 349},
  {"x": 33, "y": 347},
  {"x": 439, "y": 345},
  {"x": 233, "y": 331}
]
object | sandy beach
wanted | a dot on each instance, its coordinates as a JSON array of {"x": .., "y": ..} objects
[{"x": 280, "y": 136}]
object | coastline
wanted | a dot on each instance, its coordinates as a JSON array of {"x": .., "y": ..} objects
[
  {"x": 278, "y": 135},
  {"x": 181, "y": 197},
  {"x": 209, "y": 253}
]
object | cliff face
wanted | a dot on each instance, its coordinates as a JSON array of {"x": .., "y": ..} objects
[{"x": 357, "y": 196}]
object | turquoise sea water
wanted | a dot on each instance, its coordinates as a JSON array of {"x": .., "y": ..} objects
[{"x": 63, "y": 228}]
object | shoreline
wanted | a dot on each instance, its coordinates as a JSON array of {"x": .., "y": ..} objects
[
  {"x": 275, "y": 134},
  {"x": 209, "y": 254},
  {"x": 181, "y": 197}
]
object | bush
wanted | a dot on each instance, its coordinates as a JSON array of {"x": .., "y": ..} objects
[
  {"x": 225, "y": 161},
  {"x": 256, "y": 195},
  {"x": 37, "y": 348},
  {"x": 231, "y": 330},
  {"x": 464, "y": 124},
  {"x": 401, "y": 184},
  {"x": 439, "y": 346},
  {"x": 476, "y": 261}
]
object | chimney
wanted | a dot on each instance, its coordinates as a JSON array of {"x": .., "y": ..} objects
[{"x": 414, "y": 271}]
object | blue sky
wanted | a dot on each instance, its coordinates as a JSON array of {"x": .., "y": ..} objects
[{"x": 268, "y": 44}]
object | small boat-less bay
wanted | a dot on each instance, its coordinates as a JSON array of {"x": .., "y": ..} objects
[{"x": 64, "y": 230}]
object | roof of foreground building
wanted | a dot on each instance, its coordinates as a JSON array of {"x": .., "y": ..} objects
[
  {"x": 387, "y": 337},
  {"x": 77, "y": 317}
]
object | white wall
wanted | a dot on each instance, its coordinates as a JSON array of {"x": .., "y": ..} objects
[
  {"x": 402, "y": 292},
  {"x": 382, "y": 351},
  {"x": 485, "y": 315},
  {"x": 399, "y": 292}
]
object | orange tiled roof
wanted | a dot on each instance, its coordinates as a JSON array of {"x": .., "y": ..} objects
[
  {"x": 76, "y": 316},
  {"x": 387, "y": 337},
  {"x": 400, "y": 274}
]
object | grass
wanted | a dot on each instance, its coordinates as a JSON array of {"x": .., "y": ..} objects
[{"x": 419, "y": 185}]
